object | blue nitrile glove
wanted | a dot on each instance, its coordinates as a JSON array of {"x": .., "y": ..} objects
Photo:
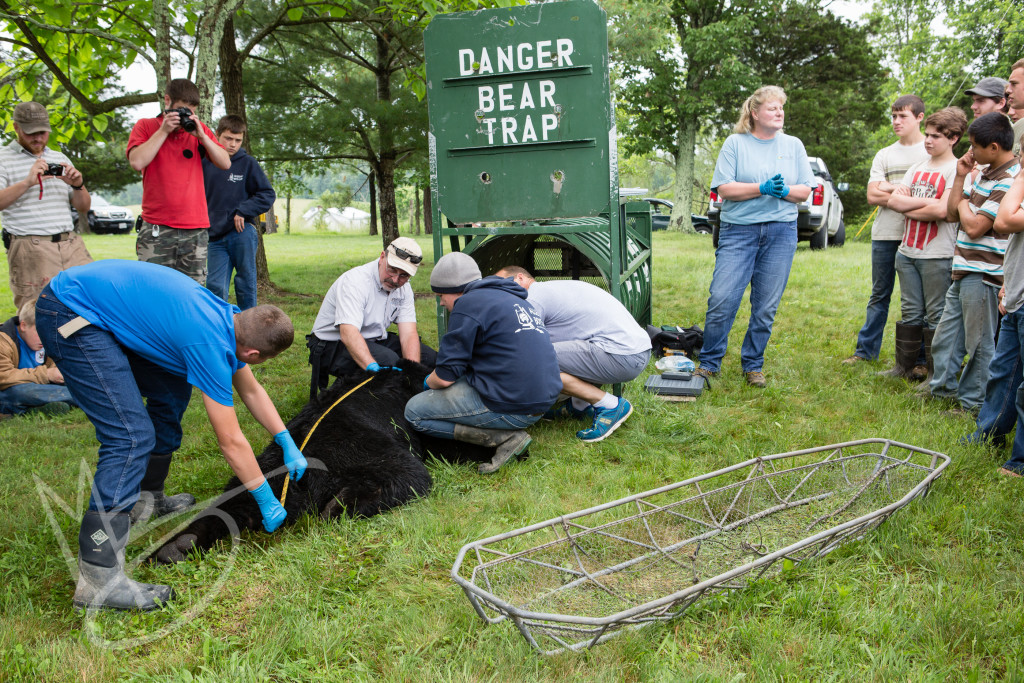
[
  {"x": 293, "y": 458},
  {"x": 426, "y": 387},
  {"x": 779, "y": 187},
  {"x": 390, "y": 367},
  {"x": 373, "y": 367},
  {"x": 273, "y": 513},
  {"x": 767, "y": 186}
]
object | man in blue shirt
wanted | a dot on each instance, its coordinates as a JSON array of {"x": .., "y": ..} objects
[
  {"x": 496, "y": 369},
  {"x": 124, "y": 331}
]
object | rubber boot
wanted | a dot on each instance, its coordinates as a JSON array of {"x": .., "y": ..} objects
[
  {"x": 152, "y": 500},
  {"x": 925, "y": 372},
  {"x": 102, "y": 583},
  {"x": 508, "y": 442},
  {"x": 908, "y": 346}
]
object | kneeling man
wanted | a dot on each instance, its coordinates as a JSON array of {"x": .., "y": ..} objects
[
  {"x": 124, "y": 331},
  {"x": 351, "y": 330},
  {"x": 597, "y": 342},
  {"x": 496, "y": 369}
]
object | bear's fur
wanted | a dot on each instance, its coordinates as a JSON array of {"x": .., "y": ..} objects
[{"x": 364, "y": 458}]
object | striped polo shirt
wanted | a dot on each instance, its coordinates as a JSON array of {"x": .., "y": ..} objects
[
  {"x": 985, "y": 254},
  {"x": 30, "y": 215}
]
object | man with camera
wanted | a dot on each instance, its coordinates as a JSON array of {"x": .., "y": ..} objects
[
  {"x": 38, "y": 187},
  {"x": 168, "y": 150}
]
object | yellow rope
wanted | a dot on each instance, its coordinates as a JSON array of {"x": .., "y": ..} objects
[
  {"x": 866, "y": 223},
  {"x": 284, "y": 490}
]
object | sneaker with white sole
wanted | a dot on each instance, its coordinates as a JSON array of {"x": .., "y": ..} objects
[{"x": 606, "y": 421}]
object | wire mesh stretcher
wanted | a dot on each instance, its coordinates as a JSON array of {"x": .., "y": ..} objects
[{"x": 573, "y": 581}]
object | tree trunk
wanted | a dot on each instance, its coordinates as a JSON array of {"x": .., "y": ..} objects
[
  {"x": 162, "y": 46},
  {"x": 416, "y": 211},
  {"x": 428, "y": 216},
  {"x": 388, "y": 203},
  {"x": 373, "y": 203},
  {"x": 213, "y": 16},
  {"x": 682, "y": 195}
]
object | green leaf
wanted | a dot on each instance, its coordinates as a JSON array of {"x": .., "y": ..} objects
[
  {"x": 295, "y": 14},
  {"x": 788, "y": 564}
]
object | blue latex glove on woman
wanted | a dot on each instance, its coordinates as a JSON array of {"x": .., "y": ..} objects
[
  {"x": 767, "y": 187},
  {"x": 273, "y": 514},
  {"x": 293, "y": 458},
  {"x": 779, "y": 187}
]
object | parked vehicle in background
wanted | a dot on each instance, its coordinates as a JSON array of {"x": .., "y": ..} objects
[
  {"x": 104, "y": 217},
  {"x": 661, "y": 210},
  {"x": 819, "y": 218}
]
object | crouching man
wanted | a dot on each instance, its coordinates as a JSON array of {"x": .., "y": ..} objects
[
  {"x": 28, "y": 380},
  {"x": 124, "y": 331},
  {"x": 496, "y": 369}
]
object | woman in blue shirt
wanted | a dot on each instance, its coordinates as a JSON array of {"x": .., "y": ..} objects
[{"x": 761, "y": 175}]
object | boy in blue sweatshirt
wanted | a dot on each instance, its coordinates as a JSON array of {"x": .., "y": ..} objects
[
  {"x": 496, "y": 369},
  {"x": 234, "y": 199}
]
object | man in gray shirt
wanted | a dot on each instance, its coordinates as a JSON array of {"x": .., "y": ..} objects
[{"x": 596, "y": 341}]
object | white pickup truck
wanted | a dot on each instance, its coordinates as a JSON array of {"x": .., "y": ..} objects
[{"x": 819, "y": 218}]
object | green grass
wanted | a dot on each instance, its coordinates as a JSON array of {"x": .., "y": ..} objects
[{"x": 935, "y": 593}]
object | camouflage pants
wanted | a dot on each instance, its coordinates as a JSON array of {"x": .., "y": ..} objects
[{"x": 184, "y": 250}]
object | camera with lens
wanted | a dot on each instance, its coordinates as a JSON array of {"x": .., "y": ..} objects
[
  {"x": 185, "y": 119},
  {"x": 53, "y": 169}
]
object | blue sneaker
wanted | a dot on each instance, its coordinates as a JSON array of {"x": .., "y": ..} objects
[
  {"x": 606, "y": 421},
  {"x": 565, "y": 410}
]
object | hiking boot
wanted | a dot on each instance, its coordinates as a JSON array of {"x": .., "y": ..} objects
[
  {"x": 606, "y": 421},
  {"x": 565, "y": 410},
  {"x": 1009, "y": 473},
  {"x": 706, "y": 375},
  {"x": 755, "y": 378},
  {"x": 854, "y": 359},
  {"x": 51, "y": 409}
]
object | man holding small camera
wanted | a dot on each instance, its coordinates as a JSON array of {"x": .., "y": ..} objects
[
  {"x": 38, "y": 187},
  {"x": 168, "y": 150}
]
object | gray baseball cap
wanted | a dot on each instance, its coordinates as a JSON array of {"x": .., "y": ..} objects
[
  {"x": 989, "y": 87},
  {"x": 31, "y": 117}
]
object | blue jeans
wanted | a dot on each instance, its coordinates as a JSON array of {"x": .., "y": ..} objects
[
  {"x": 968, "y": 326},
  {"x": 883, "y": 281},
  {"x": 20, "y": 398},
  {"x": 998, "y": 413},
  {"x": 236, "y": 250},
  {"x": 923, "y": 285},
  {"x": 436, "y": 412},
  {"x": 1016, "y": 328},
  {"x": 758, "y": 255},
  {"x": 109, "y": 384}
]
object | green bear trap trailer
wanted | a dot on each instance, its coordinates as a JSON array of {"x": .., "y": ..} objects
[
  {"x": 573, "y": 581},
  {"x": 523, "y": 160}
]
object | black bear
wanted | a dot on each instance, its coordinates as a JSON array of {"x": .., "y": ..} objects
[{"x": 364, "y": 458}]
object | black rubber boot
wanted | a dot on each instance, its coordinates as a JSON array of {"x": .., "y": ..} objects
[
  {"x": 152, "y": 501},
  {"x": 102, "y": 583},
  {"x": 508, "y": 442},
  {"x": 924, "y": 373},
  {"x": 908, "y": 346}
]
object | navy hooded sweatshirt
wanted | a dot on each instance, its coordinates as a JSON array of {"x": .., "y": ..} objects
[
  {"x": 241, "y": 190},
  {"x": 498, "y": 342}
]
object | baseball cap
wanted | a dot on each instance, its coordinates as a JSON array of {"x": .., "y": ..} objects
[
  {"x": 31, "y": 117},
  {"x": 453, "y": 272},
  {"x": 405, "y": 254},
  {"x": 989, "y": 87}
]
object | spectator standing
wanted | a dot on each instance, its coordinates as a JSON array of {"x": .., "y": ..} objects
[
  {"x": 761, "y": 175},
  {"x": 597, "y": 342},
  {"x": 168, "y": 150},
  {"x": 887, "y": 170},
  {"x": 235, "y": 198},
  {"x": 987, "y": 96},
  {"x": 350, "y": 332},
  {"x": 496, "y": 368},
  {"x": 1015, "y": 95},
  {"x": 970, "y": 315},
  {"x": 121, "y": 331},
  {"x": 35, "y": 206},
  {"x": 925, "y": 256},
  {"x": 29, "y": 381}
]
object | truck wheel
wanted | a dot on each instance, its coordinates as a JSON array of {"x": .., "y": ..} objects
[{"x": 840, "y": 237}]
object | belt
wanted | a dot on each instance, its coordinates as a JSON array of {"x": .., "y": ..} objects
[{"x": 59, "y": 237}]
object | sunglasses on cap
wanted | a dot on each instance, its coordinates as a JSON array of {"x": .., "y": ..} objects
[{"x": 406, "y": 256}]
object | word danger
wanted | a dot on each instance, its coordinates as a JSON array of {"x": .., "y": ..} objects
[{"x": 515, "y": 106}]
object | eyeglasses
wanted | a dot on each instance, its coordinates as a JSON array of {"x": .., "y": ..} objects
[{"x": 406, "y": 256}]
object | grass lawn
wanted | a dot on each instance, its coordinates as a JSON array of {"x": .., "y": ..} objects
[{"x": 935, "y": 593}]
